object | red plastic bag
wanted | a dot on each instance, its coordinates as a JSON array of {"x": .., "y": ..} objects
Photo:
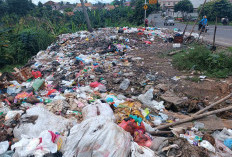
[
  {"x": 95, "y": 84},
  {"x": 51, "y": 91},
  {"x": 36, "y": 74},
  {"x": 140, "y": 33},
  {"x": 147, "y": 42},
  {"x": 142, "y": 139},
  {"x": 131, "y": 126}
]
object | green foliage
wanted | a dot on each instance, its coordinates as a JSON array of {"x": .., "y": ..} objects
[
  {"x": 218, "y": 8},
  {"x": 202, "y": 59},
  {"x": 138, "y": 14},
  {"x": 184, "y": 6}
]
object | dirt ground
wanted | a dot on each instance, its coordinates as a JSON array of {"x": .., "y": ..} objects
[{"x": 156, "y": 61}]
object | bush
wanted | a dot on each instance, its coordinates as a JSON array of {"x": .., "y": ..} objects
[{"x": 202, "y": 59}]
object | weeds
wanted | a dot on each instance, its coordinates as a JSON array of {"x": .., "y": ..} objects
[{"x": 202, "y": 59}]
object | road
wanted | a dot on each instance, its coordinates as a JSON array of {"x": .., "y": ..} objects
[{"x": 223, "y": 36}]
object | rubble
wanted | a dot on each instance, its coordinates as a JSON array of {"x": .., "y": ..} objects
[{"x": 88, "y": 94}]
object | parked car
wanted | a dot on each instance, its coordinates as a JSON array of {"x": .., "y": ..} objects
[{"x": 169, "y": 21}]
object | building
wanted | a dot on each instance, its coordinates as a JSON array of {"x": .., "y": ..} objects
[
  {"x": 168, "y": 4},
  {"x": 87, "y": 5},
  {"x": 109, "y": 7}
]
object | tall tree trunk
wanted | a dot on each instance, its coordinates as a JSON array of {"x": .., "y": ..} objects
[{"x": 86, "y": 16}]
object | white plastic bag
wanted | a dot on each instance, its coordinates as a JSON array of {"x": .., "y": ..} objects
[
  {"x": 3, "y": 147},
  {"x": 46, "y": 121},
  {"x": 140, "y": 151},
  {"x": 146, "y": 99},
  {"x": 98, "y": 136},
  {"x": 205, "y": 144},
  {"x": 98, "y": 109},
  {"x": 11, "y": 114}
]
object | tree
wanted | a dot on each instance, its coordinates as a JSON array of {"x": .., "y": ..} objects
[
  {"x": 40, "y": 5},
  {"x": 19, "y": 7},
  {"x": 138, "y": 15},
  {"x": 218, "y": 8},
  {"x": 184, "y": 6},
  {"x": 3, "y": 8},
  {"x": 86, "y": 16}
]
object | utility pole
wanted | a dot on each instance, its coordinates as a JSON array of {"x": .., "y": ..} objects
[
  {"x": 145, "y": 16},
  {"x": 86, "y": 16}
]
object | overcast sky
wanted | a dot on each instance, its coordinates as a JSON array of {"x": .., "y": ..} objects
[{"x": 71, "y": 1}]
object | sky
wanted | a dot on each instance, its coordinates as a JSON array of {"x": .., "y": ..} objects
[{"x": 71, "y": 1}]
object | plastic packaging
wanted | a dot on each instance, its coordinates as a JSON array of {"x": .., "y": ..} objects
[
  {"x": 12, "y": 114},
  {"x": 147, "y": 100},
  {"x": 46, "y": 121},
  {"x": 37, "y": 84},
  {"x": 140, "y": 151},
  {"x": 228, "y": 143},
  {"x": 205, "y": 144},
  {"x": 95, "y": 137},
  {"x": 125, "y": 84},
  {"x": 3, "y": 147}
]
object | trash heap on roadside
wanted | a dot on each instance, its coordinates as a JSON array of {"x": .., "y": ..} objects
[{"x": 83, "y": 96}]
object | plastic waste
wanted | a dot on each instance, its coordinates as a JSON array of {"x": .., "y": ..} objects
[
  {"x": 228, "y": 143},
  {"x": 3, "y": 147},
  {"x": 36, "y": 74},
  {"x": 147, "y": 100},
  {"x": 140, "y": 151},
  {"x": 46, "y": 121},
  {"x": 125, "y": 84},
  {"x": 223, "y": 135},
  {"x": 12, "y": 114},
  {"x": 205, "y": 144},
  {"x": 37, "y": 84},
  {"x": 96, "y": 134}
]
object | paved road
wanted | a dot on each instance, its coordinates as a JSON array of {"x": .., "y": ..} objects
[{"x": 223, "y": 36}]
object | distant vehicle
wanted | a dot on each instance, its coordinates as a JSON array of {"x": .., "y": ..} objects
[
  {"x": 225, "y": 21},
  {"x": 193, "y": 19},
  {"x": 169, "y": 21}
]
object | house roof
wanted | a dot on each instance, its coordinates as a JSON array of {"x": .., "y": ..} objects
[
  {"x": 49, "y": 3},
  {"x": 86, "y": 4},
  {"x": 70, "y": 13},
  {"x": 110, "y": 7}
]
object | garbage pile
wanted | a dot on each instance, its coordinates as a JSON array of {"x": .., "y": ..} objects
[{"x": 84, "y": 96}]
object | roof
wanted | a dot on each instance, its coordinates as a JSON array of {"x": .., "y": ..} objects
[
  {"x": 110, "y": 7},
  {"x": 49, "y": 3},
  {"x": 70, "y": 13},
  {"x": 86, "y": 4}
]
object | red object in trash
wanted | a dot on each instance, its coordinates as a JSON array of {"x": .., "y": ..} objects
[
  {"x": 36, "y": 74},
  {"x": 51, "y": 91},
  {"x": 131, "y": 126},
  {"x": 95, "y": 84},
  {"x": 147, "y": 42},
  {"x": 140, "y": 33},
  {"x": 142, "y": 139}
]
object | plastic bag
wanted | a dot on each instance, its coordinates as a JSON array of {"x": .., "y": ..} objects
[
  {"x": 12, "y": 114},
  {"x": 46, "y": 121},
  {"x": 37, "y": 84},
  {"x": 98, "y": 109},
  {"x": 97, "y": 136},
  {"x": 205, "y": 144},
  {"x": 3, "y": 147},
  {"x": 147, "y": 100},
  {"x": 125, "y": 84},
  {"x": 140, "y": 151}
]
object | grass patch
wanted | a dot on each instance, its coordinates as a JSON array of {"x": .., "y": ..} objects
[
  {"x": 202, "y": 59},
  {"x": 193, "y": 79}
]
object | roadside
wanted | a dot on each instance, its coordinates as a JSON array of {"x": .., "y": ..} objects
[{"x": 223, "y": 35}]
